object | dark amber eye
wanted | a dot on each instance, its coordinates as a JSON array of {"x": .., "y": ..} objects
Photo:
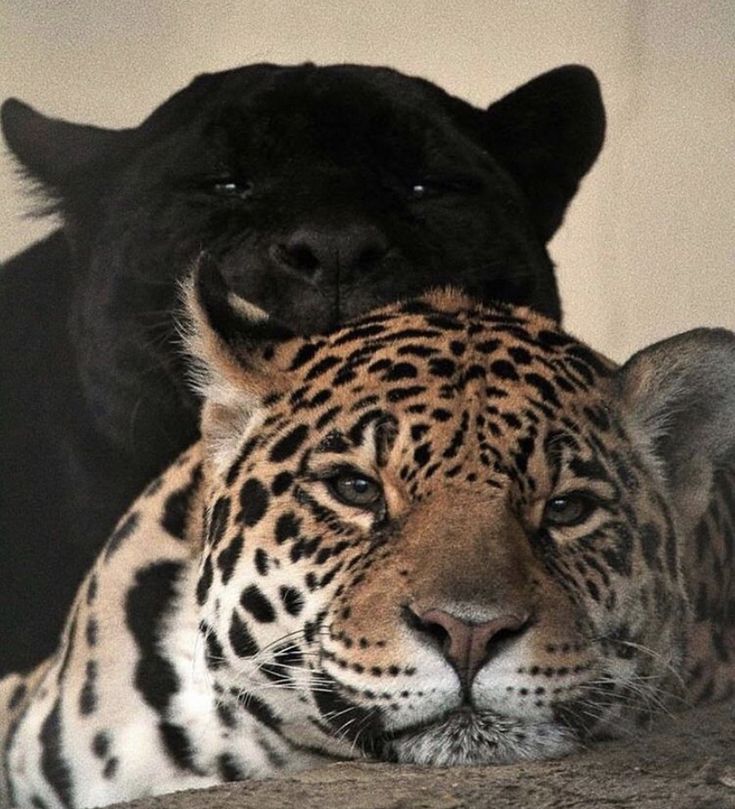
[
  {"x": 434, "y": 186},
  {"x": 354, "y": 489},
  {"x": 233, "y": 188},
  {"x": 568, "y": 510}
]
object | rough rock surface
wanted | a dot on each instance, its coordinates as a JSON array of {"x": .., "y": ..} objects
[{"x": 688, "y": 763}]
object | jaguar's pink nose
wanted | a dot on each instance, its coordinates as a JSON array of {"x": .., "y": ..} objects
[{"x": 468, "y": 646}]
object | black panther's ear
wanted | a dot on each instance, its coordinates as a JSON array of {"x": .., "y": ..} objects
[
  {"x": 233, "y": 345},
  {"x": 548, "y": 133},
  {"x": 681, "y": 393},
  {"x": 52, "y": 151}
]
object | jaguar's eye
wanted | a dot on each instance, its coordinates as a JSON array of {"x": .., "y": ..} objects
[
  {"x": 354, "y": 489},
  {"x": 236, "y": 189},
  {"x": 419, "y": 191},
  {"x": 568, "y": 510}
]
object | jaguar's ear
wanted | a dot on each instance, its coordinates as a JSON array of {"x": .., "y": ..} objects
[
  {"x": 232, "y": 344},
  {"x": 681, "y": 393},
  {"x": 547, "y": 134},
  {"x": 57, "y": 154}
]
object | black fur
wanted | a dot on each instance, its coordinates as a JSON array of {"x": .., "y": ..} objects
[{"x": 320, "y": 192}]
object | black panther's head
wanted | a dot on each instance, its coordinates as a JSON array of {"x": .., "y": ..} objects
[{"x": 320, "y": 191}]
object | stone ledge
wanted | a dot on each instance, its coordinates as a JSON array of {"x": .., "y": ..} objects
[{"x": 688, "y": 763}]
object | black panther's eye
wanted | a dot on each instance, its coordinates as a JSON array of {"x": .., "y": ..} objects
[
  {"x": 235, "y": 189},
  {"x": 428, "y": 188},
  {"x": 568, "y": 510},
  {"x": 355, "y": 489},
  {"x": 436, "y": 186}
]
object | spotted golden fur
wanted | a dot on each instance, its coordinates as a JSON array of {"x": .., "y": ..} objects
[{"x": 441, "y": 534}]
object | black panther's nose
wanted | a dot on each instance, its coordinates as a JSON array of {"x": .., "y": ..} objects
[{"x": 316, "y": 252}]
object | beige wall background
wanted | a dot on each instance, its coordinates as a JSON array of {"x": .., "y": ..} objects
[{"x": 648, "y": 247}]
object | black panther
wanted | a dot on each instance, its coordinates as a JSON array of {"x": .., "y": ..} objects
[{"x": 321, "y": 192}]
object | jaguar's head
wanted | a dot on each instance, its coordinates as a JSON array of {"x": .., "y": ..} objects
[{"x": 447, "y": 533}]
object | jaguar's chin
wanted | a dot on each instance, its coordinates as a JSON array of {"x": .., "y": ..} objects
[{"x": 468, "y": 737}]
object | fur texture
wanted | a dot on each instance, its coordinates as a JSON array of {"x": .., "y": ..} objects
[
  {"x": 321, "y": 191},
  {"x": 443, "y": 534}
]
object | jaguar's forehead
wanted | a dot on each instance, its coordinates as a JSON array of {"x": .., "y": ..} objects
[
  {"x": 446, "y": 347},
  {"x": 462, "y": 382}
]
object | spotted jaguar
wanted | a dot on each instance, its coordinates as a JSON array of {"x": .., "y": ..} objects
[{"x": 442, "y": 534}]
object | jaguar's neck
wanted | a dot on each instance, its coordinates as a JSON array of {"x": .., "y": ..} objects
[{"x": 709, "y": 561}]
